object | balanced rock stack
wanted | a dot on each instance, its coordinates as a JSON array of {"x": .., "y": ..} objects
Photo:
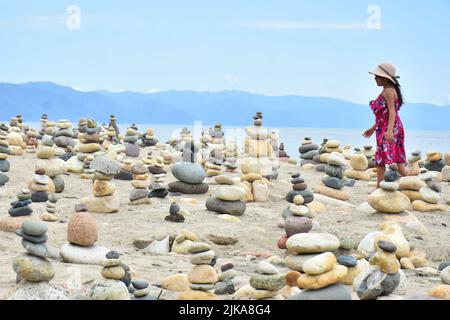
[
  {"x": 141, "y": 181},
  {"x": 414, "y": 163},
  {"x": 131, "y": 138},
  {"x": 158, "y": 187},
  {"x": 388, "y": 199},
  {"x": 257, "y": 150},
  {"x": 383, "y": 277},
  {"x": 82, "y": 235},
  {"x": 50, "y": 206},
  {"x": 216, "y": 145},
  {"x": 55, "y": 168},
  {"x": 189, "y": 173},
  {"x": 41, "y": 186},
  {"x": 104, "y": 199},
  {"x": 140, "y": 290},
  {"x": 49, "y": 134},
  {"x": 231, "y": 155},
  {"x": 148, "y": 139},
  {"x": 228, "y": 197},
  {"x": 203, "y": 276},
  {"x": 31, "y": 141},
  {"x": 282, "y": 154},
  {"x": 125, "y": 171},
  {"x": 18, "y": 213},
  {"x": 359, "y": 165},
  {"x": 321, "y": 276},
  {"x": 64, "y": 134},
  {"x": 88, "y": 172},
  {"x": 435, "y": 161},
  {"x": 32, "y": 268},
  {"x": 370, "y": 155},
  {"x": 89, "y": 137},
  {"x": 43, "y": 122},
  {"x": 15, "y": 139},
  {"x": 113, "y": 123},
  {"x": 308, "y": 152},
  {"x": 299, "y": 187},
  {"x": 213, "y": 169},
  {"x": 430, "y": 196},
  {"x": 112, "y": 286},
  {"x": 4, "y": 152},
  {"x": 174, "y": 213},
  {"x": 410, "y": 187},
  {"x": 332, "y": 186},
  {"x": 108, "y": 137},
  {"x": 266, "y": 281}
]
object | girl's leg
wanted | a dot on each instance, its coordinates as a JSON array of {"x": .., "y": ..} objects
[
  {"x": 402, "y": 169},
  {"x": 380, "y": 174}
]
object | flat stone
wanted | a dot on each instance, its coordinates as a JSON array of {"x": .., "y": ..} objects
[
  {"x": 347, "y": 261},
  {"x": 32, "y": 268},
  {"x": 222, "y": 240},
  {"x": 197, "y": 247},
  {"x": 235, "y": 208},
  {"x": 40, "y": 239},
  {"x": 83, "y": 255},
  {"x": 105, "y": 165},
  {"x": 389, "y": 186},
  {"x": 320, "y": 264},
  {"x": 186, "y": 188},
  {"x": 41, "y": 250},
  {"x": 267, "y": 282},
  {"x": 387, "y": 246},
  {"x": 307, "y": 195},
  {"x": 333, "y": 182},
  {"x": 312, "y": 243},
  {"x": 295, "y": 262},
  {"x": 204, "y": 257}
]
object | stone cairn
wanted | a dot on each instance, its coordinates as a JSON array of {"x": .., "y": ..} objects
[
  {"x": 125, "y": 171},
  {"x": 258, "y": 150},
  {"x": 108, "y": 137},
  {"x": 332, "y": 185},
  {"x": 370, "y": 155},
  {"x": 55, "y": 168},
  {"x": 231, "y": 156},
  {"x": 158, "y": 187},
  {"x": 64, "y": 135},
  {"x": 33, "y": 270},
  {"x": 87, "y": 159},
  {"x": 41, "y": 186},
  {"x": 131, "y": 138},
  {"x": 321, "y": 158},
  {"x": 359, "y": 164},
  {"x": 31, "y": 141},
  {"x": 140, "y": 182},
  {"x": 383, "y": 277},
  {"x": 430, "y": 195},
  {"x": 15, "y": 139},
  {"x": 435, "y": 161},
  {"x": 89, "y": 137},
  {"x": 4, "y": 163},
  {"x": 388, "y": 199},
  {"x": 49, "y": 134},
  {"x": 104, "y": 199},
  {"x": 266, "y": 281},
  {"x": 174, "y": 213},
  {"x": 189, "y": 173},
  {"x": 148, "y": 139},
  {"x": 410, "y": 187},
  {"x": 82, "y": 235},
  {"x": 18, "y": 213},
  {"x": 228, "y": 197},
  {"x": 43, "y": 122},
  {"x": 112, "y": 286},
  {"x": 282, "y": 154},
  {"x": 308, "y": 152},
  {"x": 414, "y": 163},
  {"x": 113, "y": 123},
  {"x": 50, "y": 214},
  {"x": 203, "y": 276}
]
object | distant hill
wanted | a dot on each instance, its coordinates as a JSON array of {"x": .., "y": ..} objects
[{"x": 184, "y": 107}]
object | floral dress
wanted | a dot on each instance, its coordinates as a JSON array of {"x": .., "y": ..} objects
[{"x": 387, "y": 153}]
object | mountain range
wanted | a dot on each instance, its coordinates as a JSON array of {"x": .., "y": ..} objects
[{"x": 184, "y": 107}]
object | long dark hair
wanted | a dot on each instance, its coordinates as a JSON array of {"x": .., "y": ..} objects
[{"x": 399, "y": 91}]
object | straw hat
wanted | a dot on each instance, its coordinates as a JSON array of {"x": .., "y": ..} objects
[{"x": 386, "y": 70}]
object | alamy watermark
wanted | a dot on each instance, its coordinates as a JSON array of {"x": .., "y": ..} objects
[
  {"x": 374, "y": 19},
  {"x": 73, "y": 21}
]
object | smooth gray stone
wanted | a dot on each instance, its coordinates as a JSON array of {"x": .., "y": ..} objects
[
  {"x": 236, "y": 208},
  {"x": 307, "y": 195},
  {"x": 187, "y": 188}
]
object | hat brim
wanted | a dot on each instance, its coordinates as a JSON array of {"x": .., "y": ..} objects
[{"x": 382, "y": 74}]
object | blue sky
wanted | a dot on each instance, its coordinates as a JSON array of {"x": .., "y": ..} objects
[{"x": 314, "y": 48}]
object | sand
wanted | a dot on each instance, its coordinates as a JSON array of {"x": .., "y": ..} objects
[{"x": 257, "y": 232}]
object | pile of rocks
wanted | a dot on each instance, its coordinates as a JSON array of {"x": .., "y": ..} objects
[
  {"x": 88, "y": 173},
  {"x": 308, "y": 152},
  {"x": 4, "y": 151},
  {"x": 429, "y": 196},
  {"x": 141, "y": 181},
  {"x": 41, "y": 186},
  {"x": 369, "y": 153},
  {"x": 33, "y": 270},
  {"x": 89, "y": 137},
  {"x": 231, "y": 156},
  {"x": 64, "y": 135},
  {"x": 258, "y": 151},
  {"x": 203, "y": 276},
  {"x": 414, "y": 163},
  {"x": 410, "y": 187},
  {"x": 50, "y": 207},
  {"x": 148, "y": 138},
  {"x": 15, "y": 139},
  {"x": 174, "y": 213},
  {"x": 228, "y": 197},
  {"x": 104, "y": 199},
  {"x": 282, "y": 154},
  {"x": 383, "y": 277},
  {"x": 131, "y": 138},
  {"x": 18, "y": 213},
  {"x": 388, "y": 199},
  {"x": 82, "y": 235},
  {"x": 158, "y": 187},
  {"x": 115, "y": 282},
  {"x": 140, "y": 290},
  {"x": 213, "y": 169},
  {"x": 189, "y": 173},
  {"x": 333, "y": 186},
  {"x": 54, "y": 168},
  {"x": 43, "y": 122},
  {"x": 31, "y": 141},
  {"x": 359, "y": 164},
  {"x": 49, "y": 134},
  {"x": 299, "y": 187},
  {"x": 435, "y": 161},
  {"x": 257, "y": 187},
  {"x": 266, "y": 281}
]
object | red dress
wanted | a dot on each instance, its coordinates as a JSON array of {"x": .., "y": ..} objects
[{"x": 387, "y": 153}]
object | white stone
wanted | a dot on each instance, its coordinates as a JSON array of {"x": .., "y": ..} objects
[{"x": 83, "y": 255}]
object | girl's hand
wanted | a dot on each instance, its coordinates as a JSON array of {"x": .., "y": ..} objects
[
  {"x": 389, "y": 136},
  {"x": 369, "y": 132}
]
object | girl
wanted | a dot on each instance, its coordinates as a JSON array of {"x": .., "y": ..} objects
[{"x": 388, "y": 126}]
